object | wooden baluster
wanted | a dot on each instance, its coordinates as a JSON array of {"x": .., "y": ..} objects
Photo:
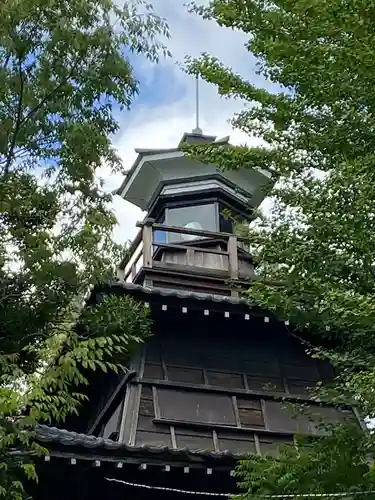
[
  {"x": 190, "y": 256},
  {"x": 233, "y": 261}
]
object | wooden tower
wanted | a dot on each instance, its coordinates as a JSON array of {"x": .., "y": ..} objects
[{"x": 211, "y": 384}]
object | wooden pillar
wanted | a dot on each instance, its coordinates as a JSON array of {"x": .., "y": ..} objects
[
  {"x": 233, "y": 257},
  {"x": 147, "y": 243}
]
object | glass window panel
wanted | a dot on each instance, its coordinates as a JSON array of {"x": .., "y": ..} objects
[
  {"x": 194, "y": 217},
  {"x": 226, "y": 225},
  {"x": 160, "y": 236}
]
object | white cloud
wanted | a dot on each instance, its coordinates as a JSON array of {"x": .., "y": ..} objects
[{"x": 163, "y": 125}]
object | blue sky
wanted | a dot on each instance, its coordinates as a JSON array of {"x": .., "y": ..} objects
[{"x": 165, "y": 107}]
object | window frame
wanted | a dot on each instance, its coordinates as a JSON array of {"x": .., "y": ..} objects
[{"x": 253, "y": 402}]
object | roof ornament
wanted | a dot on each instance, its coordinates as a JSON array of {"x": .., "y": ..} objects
[{"x": 197, "y": 129}]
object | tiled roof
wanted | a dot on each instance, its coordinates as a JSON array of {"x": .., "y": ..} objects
[
  {"x": 52, "y": 435},
  {"x": 182, "y": 294}
]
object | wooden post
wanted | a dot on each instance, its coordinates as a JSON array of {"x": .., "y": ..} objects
[
  {"x": 147, "y": 243},
  {"x": 233, "y": 257},
  {"x": 190, "y": 256}
]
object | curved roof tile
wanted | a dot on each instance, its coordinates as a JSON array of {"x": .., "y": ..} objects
[{"x": 46, "y": 434}]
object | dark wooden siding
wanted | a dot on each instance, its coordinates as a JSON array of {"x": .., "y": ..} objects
[
  {"x": 260, "y": 365},
  {"x": 171, "y": 417},
  {"x": 222, "y": 387}
]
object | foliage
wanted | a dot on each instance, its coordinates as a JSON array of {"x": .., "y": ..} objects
[
  {"x": 108, "y": 333},
  {"x": 65, "y": 76},
  {"x": 334, "y": 464},
  {"x": 315, "y": 247}
]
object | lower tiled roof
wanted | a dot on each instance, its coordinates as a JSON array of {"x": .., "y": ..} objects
[
  {"x": 55, "y": 436},
  {"x": 183, "y": 294}
]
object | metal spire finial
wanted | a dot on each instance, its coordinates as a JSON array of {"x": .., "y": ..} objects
[{"x": 197, "y": 129}]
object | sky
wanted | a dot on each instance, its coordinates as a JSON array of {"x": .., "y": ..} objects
[{"x": 165, "y": 107}]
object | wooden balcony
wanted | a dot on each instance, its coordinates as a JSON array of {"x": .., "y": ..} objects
[{"x": 207, "y": 256}]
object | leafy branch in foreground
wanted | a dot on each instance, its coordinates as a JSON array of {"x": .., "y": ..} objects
[
  {"x": 333, "y": 464},
  {"x": 103, "y": 339}
]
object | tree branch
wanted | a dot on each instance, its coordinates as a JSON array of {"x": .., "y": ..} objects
[
  {"x": 6, "y": 61},
  {"x": 49, "y": 95},
  {"x": 18, "y": 122}
]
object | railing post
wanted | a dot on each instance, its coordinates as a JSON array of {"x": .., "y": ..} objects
[
  {"x": 190, "y": 256},
  {"x": 233, "y": 257},
  {"x": 147, "y": 243}
]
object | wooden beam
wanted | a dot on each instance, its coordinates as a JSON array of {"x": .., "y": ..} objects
[
  {"x": 266, "y": 395},
  {"x": 133, "y": 247},
  {"x": 183, "y": 230},
  {"x": 175, "y": 246},
  {"x": 127, "y": 376},
  {"x": 132, "y": 261}
]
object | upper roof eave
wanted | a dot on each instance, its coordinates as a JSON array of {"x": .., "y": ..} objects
[{"x": 141, "y": 154}]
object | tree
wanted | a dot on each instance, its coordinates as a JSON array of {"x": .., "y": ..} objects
[
  {"x": 315, "y": 249},
  {"x": 64, "y": 74}
]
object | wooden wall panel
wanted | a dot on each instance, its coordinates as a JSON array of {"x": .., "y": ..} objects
[
  {"x": 250, "y": 413},
  {"x": 185, "y": 374},
  {"x": 153, "y": 371},
  {"x": 199, "y": 407},
  {"x": 153, "y": 350},
  {"x": 236, "y": 442},
  {"x": 153, "y": 439},
  {"x": 282, "y": 417},
  {"x": 270, "y": 445},
  {"x": 225, "y": 379},
  {"x": 194, "y": 439},
  {"x": 265, "y": 383},
  {"x": 147, "y": 431}
]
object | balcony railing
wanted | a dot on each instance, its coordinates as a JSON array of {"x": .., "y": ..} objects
[{"x": 146, "y": 252}]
